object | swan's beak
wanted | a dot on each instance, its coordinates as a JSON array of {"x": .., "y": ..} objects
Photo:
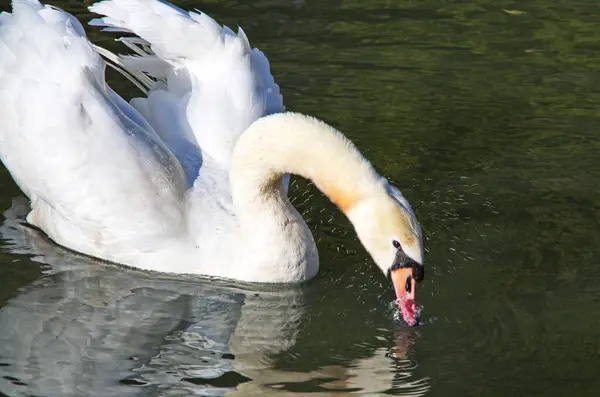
[{"x": 404, "y": 287}]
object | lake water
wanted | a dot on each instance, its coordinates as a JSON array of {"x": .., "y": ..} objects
[{"x": 485, "y": 114}]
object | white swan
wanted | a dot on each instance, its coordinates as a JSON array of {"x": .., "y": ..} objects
[{"x": 191, "y": 178}]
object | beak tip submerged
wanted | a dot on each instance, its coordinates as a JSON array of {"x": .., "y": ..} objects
[
  {"x": 409, "y": 311},
  {"x": 404, "y": 287}
]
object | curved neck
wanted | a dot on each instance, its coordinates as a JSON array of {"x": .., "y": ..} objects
[{"x": 296, "y": 144}]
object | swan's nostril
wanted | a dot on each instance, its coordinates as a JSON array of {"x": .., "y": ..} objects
[{"x": 408, "y": 285}]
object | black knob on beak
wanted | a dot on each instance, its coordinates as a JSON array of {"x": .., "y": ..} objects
[{"x": 418, "y": 272}]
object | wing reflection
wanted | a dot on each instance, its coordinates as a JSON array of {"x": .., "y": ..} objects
[{"x": 94, "y": 329}]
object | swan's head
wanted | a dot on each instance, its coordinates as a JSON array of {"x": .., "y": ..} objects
[{"x": 388, "y": 229}]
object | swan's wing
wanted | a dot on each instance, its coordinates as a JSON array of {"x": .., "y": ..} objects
[
  {"x": 207, "y": 84},
  {"x": 95, "y": 172}
]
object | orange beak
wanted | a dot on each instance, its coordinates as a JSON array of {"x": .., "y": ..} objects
[
  {"x": 400, "y": 281},
  {"x": 404, "y": 287}
]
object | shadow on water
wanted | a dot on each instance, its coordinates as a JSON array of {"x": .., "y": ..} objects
[{"x": 95, "y": 329}]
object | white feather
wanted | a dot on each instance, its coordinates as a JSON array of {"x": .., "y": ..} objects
[
  {"x": 221, "y": 84},
  {"x": 94, "y": 174}
]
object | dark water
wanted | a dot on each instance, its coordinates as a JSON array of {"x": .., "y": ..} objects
[{"x": 484, "y": 113}]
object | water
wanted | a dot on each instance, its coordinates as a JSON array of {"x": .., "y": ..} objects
[{"x": 484, "y": 113}]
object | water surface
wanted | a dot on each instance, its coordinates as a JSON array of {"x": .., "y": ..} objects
[{"x": 484, "y": 113}]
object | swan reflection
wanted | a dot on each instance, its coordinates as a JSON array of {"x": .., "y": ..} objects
[{"x": 92, "y": 329}]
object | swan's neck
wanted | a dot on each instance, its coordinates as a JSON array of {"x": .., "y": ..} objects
[{"x": 277, "y": 241}]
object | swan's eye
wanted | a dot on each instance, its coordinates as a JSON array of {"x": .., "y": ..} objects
[{"x": 396, "y": 244}]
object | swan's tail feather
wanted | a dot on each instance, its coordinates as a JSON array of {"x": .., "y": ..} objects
[
  {"x": 140, "y": 46},
  {"x": 138, "y": 79},
  {"x": 167, "y": 27},
  {"x": 222, "y": 85}
]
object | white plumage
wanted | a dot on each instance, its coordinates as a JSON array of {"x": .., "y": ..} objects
[
  {"x": 166, "y": 183},
  {"x": 215, "y": 85}
]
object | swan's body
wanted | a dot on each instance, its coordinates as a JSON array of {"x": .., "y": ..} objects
[{"x": 191, "y": 178}]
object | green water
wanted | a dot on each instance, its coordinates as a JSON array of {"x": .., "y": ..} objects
[{"x": 484, "y": 113}]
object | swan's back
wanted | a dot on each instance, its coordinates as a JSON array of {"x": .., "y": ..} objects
[
  {"x": 99, "y": 183},
  {"x": 144, "y": 185},
  {"x": 211, "y": 84}
]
